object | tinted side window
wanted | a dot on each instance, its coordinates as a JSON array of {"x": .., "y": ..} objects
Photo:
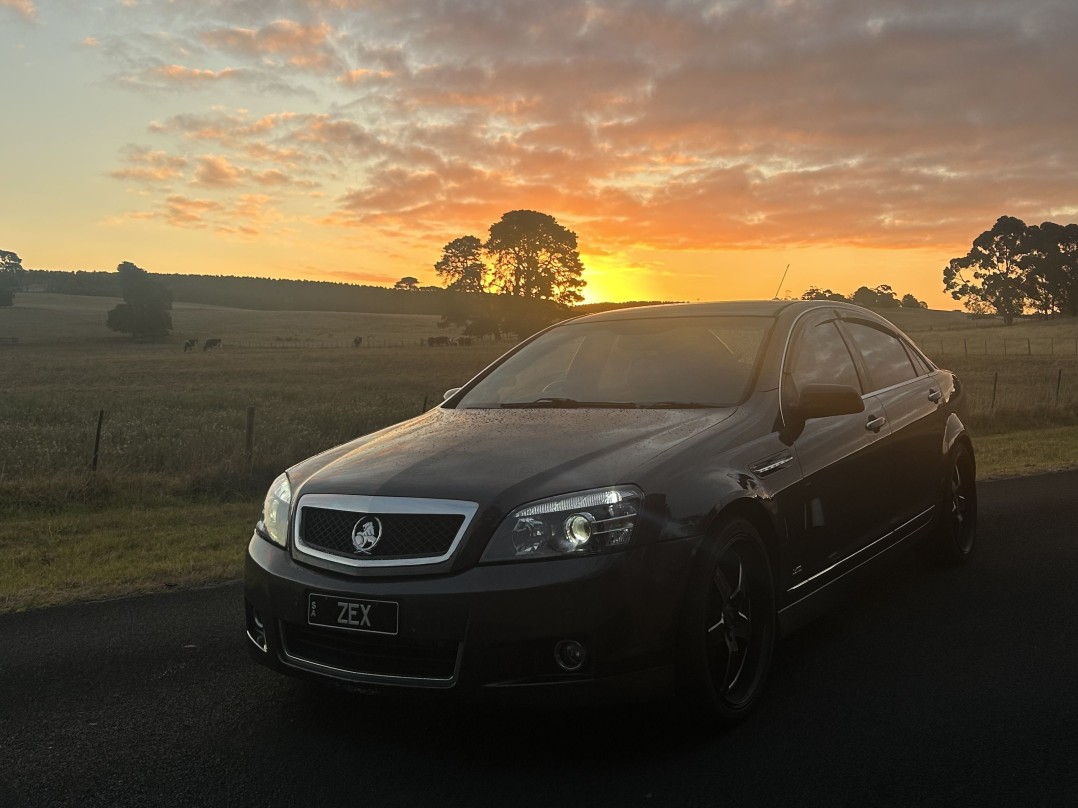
[
  {"x": 819, "y": 356},
  {"x": 919, "y": 362},
  {"x": 886, "y": 359}
]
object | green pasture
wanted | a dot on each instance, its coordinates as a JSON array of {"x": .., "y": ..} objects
[{"x": 175, "y": 493}]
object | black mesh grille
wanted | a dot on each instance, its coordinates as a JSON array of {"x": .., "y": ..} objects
[
  {"x": 364, "y": 654},
  {"x": 404, "y": 535}
]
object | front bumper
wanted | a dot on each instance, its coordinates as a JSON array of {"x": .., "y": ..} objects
[{"x": 484, "y": 629}]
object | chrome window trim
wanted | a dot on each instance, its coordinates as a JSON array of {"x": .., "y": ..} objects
[{"x": 375, "y": 505}]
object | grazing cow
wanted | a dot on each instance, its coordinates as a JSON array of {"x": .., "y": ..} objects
[
  {"x": 189, "y": 345},
  {"x": 464, "y": 340},
  {"x": 357, "y": 342},
  {"x": 435, "y": 342},
  {"x": 211, "y": 343}
]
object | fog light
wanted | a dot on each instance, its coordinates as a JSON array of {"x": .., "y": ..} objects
[
  {"x": 570, "y": 655},
  {"x": 256, "y": 631}
]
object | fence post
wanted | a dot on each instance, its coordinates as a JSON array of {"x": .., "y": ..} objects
[
  {"x": 1029, "y": 350},
  {"x": 995, "y": 382},
  {"x": 965, "y": 346},
  {"x": 1059, "y": 383},
  {"x": 97, "y": 439},
  {"x": 1004, "y": 346},
  {"x": 250, "y": 444}
]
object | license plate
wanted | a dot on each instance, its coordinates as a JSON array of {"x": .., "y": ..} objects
[{"x": 373, "y": 616}]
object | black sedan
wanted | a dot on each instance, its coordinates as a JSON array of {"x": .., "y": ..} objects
[{"x": 639, "y": 498}]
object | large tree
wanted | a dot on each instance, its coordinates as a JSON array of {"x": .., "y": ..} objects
[
  {"x": 535, "y": 257},
  {"x": 145, "y": 312},
  {"x": 1052, "y": 279},
  {"x": 11, "y": 276},
  {"x": 993, "y": 274},
  {"x": 461, "y": 265}
]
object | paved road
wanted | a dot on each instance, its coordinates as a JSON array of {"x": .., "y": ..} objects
[{"x": 933, "y": 687}]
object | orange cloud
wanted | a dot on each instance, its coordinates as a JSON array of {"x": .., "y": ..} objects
[
  {"x": 24, "y": 7},
  {"x": 147, "y": 165},
  {"x": 181, "y": 74},
  {"x": 358, "y": 76},
  {"x": 306, "y": 46},
  {"x": 217, "y": 172},
  {"x": 184, "y": 211}
]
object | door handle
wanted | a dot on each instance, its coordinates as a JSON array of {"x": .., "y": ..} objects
[
  {"x": 875, "y": 423},
  {"x": 934, "y": 395}
]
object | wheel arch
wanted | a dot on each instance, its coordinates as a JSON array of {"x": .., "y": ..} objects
[
  {"x": 757, "y": 514},
  {"x": 954, "y": 433}
]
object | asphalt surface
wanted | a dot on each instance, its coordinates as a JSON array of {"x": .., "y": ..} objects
[{"x": 930, "y": 687}]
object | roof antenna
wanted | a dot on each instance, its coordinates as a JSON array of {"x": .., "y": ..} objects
[{"x": 776, "y": 297}]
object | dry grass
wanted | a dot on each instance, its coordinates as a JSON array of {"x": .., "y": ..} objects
[
  {"x": 175, "y": 422},
  {"x": 82, "y": 554}
]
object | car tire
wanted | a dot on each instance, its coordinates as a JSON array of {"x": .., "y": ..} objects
[
  {"x": 729, "y": 627},
  {"x": 956, "y": 532}
]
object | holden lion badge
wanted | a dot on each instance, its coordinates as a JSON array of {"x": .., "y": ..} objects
[{"x": 366, "y": 534}]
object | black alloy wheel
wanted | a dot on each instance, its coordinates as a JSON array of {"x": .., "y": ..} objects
[
  {"x": 733, "y": 620},
  {"x": 958, "y": 520}
]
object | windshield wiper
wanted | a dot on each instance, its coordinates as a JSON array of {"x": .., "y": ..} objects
[
  {"x": 679, "y": 405},
  {"x": 568, "y": 403}
]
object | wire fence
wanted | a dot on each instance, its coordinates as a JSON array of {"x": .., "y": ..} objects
[
  {"x": 988, "y": 393},
  {"x": 365, "y": 342},
  {"x": 999, "y": 346}
]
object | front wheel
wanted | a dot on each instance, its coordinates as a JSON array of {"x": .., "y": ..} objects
[
  {"x": 729, "y": 626},
  {"x": 957, "y": 530}
]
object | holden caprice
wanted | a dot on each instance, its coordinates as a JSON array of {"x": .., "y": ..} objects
[{"x": 642, "y": 498}]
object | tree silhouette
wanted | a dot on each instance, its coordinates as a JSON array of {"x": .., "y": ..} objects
[
  {"x": 998, "y": 263},
  {"x": 882, "y": 297},
  {"x": 407, "y": 283},
  {"x": 145, "y": 312},
  {"x": 816, "y": 293},
  {"x": 1052, "y": 278},
  {"x": 911, "y": 302},
  {"x": 461, "y": 265},
  {"x": 11, "y": 275},
  {"x": 498, "y": 315},
  {"x": 535, "y": 257}
]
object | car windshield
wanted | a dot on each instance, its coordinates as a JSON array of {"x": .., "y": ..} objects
[{"x": 657, "y": 362}]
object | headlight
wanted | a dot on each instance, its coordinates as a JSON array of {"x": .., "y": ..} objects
[
  {"x": 572, "y": 524},
  {"x": 274, "y": 522}
]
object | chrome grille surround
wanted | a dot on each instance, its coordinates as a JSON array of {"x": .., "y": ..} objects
[{"x": 361, "y": 505}]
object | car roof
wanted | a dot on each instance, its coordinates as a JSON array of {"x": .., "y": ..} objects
[{"x": 730, "y": 308}]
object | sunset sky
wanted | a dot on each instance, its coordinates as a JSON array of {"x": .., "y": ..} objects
[{"x": 696, "y": 148}]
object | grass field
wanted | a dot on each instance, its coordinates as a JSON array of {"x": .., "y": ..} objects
[{"x": 175, "y": 495}]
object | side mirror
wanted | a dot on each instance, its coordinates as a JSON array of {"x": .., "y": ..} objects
[
  {"x": 823, "y": 400},
  {"x": 448, "y": 394}
]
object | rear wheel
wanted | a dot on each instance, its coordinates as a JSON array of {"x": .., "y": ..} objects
[
  {"x": 957, "y": 530},
  {"x": 730, "y": 626}
]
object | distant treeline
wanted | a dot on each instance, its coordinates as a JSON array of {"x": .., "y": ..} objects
[
  {"x": 264, "y": 294},
  {"x": 268, "y": 294}
]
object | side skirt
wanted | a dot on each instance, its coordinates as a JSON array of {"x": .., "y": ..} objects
[{"x": 824, "y": 597}]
